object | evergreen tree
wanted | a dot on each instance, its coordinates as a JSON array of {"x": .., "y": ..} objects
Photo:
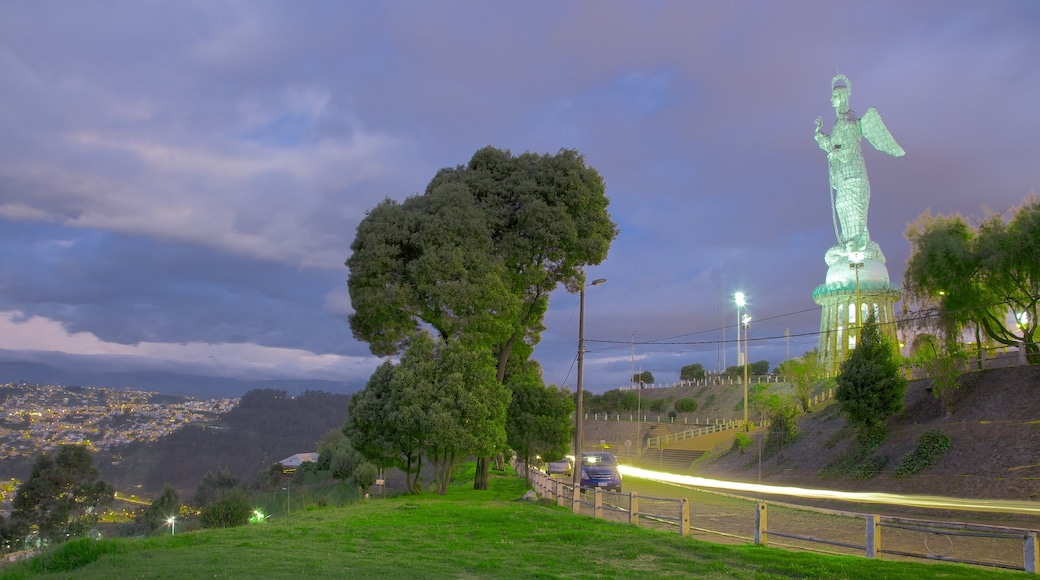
[{"x": 871, "y": 386}]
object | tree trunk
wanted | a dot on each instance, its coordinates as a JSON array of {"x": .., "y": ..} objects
[{"x": 482, "y": 477}]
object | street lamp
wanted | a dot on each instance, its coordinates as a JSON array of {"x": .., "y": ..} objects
[
  {"x": 739, "y": 297},
  {"x": 856, "y": 263},
  {"x": 581, "y": 370},
  {"x": 173, "y": 523},
  {"x": 746, "y": 320}
]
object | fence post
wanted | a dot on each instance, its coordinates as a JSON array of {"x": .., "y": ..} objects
[
  {"x": 761, "y": 519},
  {"x": 1032, "y": 554},
  {"x": 633, "y": 508},
  {"x": 597, "y": 504},
  {"x": 684, "y": 517},
  {"x": 559, "y": 493},
  {"x": 873, "y": 545},
  {"x": 576, "y": 500}
]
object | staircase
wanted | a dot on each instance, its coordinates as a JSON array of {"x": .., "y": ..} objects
[{"x": 668, "y": 460}]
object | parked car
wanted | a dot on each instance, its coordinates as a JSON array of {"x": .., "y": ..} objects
[
  {"x": 561, "y": 467},
  {"x": 600, "y": 469}
]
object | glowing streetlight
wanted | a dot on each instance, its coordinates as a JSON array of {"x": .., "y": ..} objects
[
  {"x": 581, "y": 369},
  {"x": 173, "y": 523}
]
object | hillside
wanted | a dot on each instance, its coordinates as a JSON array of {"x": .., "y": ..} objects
[
  {"x": 994, "y": 452},
  {"x": 265, "y": 427}
]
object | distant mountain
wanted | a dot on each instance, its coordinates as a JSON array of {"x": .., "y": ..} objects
[{"x": 164, "y": 381}]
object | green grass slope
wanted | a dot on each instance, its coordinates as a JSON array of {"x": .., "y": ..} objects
[{"x": 464, "y": 534}]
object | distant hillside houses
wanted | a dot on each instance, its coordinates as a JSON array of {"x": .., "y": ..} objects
[{"x": 289, "y": 464}]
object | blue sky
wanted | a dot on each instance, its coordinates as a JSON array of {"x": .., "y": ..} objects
[{"x": 180, "y": 182}]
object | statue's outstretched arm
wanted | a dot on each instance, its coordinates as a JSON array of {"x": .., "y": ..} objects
[
  {"x": 873, "y": 128},
  {"x": 822, "y": 139}
]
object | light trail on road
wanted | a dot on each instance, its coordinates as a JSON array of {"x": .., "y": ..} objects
[{"x": 925, "y": 501}]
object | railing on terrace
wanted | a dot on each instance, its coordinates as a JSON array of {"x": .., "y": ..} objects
[
  {"x": 665, "y": 440},
  {"x": 710, "y": 380}
]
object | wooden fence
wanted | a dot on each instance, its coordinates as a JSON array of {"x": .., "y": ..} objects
[{"x": 633, "y": 508}]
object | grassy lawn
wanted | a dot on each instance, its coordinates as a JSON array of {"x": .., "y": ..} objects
[{"x": 464, "y": 534}]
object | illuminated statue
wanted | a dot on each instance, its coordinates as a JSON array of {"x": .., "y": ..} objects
[
  {"x": 850, "y": 190},
  {"x": 857, "y": 284}
]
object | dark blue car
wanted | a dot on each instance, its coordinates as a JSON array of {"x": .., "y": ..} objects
[{"x": 600, "y": 469}]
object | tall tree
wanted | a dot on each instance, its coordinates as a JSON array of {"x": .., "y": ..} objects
[
  {"x": 538, "y": 422},
  {"x": 803, "y": 373},
  {"x": 643, "y": 378},
  {"x": 871, "y": 385},
  {"x": 167, "y": 505},
  {"x": 374, "y": 430},
  {"x": 62, "y": 495},
  {"x": 958, "y": 275},
  {"x": 477, "y": 255},
  {"x": 691, "y": 372}
]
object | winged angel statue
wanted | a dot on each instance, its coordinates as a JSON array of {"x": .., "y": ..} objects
[{"x": 850, "y": 190}]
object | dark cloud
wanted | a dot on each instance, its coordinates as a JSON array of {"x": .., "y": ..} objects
[{"x": 194, "y": 172}]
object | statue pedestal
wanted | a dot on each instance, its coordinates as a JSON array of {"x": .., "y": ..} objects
[{"x": 850, "y": 275}]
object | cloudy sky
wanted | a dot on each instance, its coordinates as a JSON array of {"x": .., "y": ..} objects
[{"x": 180, "y": 182}]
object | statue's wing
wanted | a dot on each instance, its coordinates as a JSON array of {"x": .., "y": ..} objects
[{"x": 874, "y": 130}]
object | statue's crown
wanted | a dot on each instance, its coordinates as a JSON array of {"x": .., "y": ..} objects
[{"x": 845, "y": 83}]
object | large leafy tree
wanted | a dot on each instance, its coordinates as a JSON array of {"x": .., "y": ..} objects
[
  {"x": 476, "y": 256},
  {"x": 692, "y": 372},
  {"x": 442, "y": 402},
  {"x": 538, "y": 422},
  {"x": 374, "y": 430},
  {"x": 871, "y": 385},
  {"x": 62, "y": 496},
  {"x": 959, "y": 276},
  {"x": 643, "y": 378}
]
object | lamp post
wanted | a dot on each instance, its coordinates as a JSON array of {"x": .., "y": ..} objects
[
  {"x": 581, "y": 375},
  {"x": 173, "y": 523},
  {"x": 855, "y": 263},
  {"x": 739, "y": 298},
  {"x": 746, "y": 320}
]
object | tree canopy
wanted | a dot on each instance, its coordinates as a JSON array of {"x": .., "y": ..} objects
[
  {"x": 441, "y": 401},
  {"x": 643, "y": 378},
  {"x": 538, "y": 421},
  {"x": 958, "y": 275},
  {"x": 478, "y": 253},
  {"x": 475, "y": 257},
  {"x": 691, "y": 372},
  {"x": 803, "y": 373},
  {"x": 62, "y": 495}
]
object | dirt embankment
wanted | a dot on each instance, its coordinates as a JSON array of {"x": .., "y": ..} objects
[{"x": 994, "y": 431}]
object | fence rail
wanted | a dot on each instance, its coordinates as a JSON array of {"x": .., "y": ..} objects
[
  {"x": 630, "y": 507},
  {"x": 675, "y": 512},
  {"x": 872, "y": 545}
]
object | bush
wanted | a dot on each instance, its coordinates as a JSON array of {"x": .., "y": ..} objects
[
  {"x": 229, "y": 511},
  {"x": 931, "y": 446},
  {"x": 658, "y": 405},
  {"x": 686, "y": 405},
  {"x": 73, "y": 554},
  {"x": 743, "y": 442},
  {"x": 365, "y": 476}
]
